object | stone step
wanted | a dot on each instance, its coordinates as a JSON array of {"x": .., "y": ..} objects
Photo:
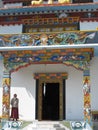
[
  {"x": 48, "y": 125},
  {"x": 30, "y": 128},
  {"x": 41, "y": 128},
  {"x": 44, "y": 125}
]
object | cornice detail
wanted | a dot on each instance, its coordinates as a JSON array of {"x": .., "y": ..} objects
[{"x": 46, "y": 8}]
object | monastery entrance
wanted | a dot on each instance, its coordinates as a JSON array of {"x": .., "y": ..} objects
[
  {"x": 50, "y": 103},
  {"x": 76, "y": 57}
]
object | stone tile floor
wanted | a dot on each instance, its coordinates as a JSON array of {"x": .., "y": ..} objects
[{"x": 95, "y": 125}]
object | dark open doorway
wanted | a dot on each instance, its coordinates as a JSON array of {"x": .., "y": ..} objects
[
  {"x": 50, "y": 92},
  {"x": 50, "y": 101}
]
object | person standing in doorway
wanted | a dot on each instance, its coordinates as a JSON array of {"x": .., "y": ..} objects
[{"x": 14, "y": 109}]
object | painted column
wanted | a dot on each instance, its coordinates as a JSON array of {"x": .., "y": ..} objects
[
  {"x": 6, "y": 94},
  {"x": 87, "y": 96}
]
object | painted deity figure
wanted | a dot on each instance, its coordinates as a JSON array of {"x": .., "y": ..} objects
[
  {"x": 5, "y": 109},
  {"x": 87, "y": 112},
  {"x": 5, "y": 87},
  {"x": 86, "y": 87}
]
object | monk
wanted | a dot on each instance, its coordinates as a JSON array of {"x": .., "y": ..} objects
[{"x": 14, "y": 110}]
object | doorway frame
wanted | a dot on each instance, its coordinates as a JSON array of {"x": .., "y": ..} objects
[{"x": 39, "y": 83}]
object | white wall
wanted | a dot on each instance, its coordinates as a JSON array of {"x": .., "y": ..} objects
[
  {"x": 88, "y": 26},
  {"x": 74, "y": 95},
  {"x": 10, "y": 29},
  {"x": 94, "y": 83},
  {"x": 23, "y": 84}
]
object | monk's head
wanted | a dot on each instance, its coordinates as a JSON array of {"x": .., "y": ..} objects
[{"x": 15, "y": 95}]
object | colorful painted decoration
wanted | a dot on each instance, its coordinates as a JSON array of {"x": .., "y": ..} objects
[
  {"x": 43, "y": 39},
  {"x": 79, "y": 58},
  {"x": 87, "y": 97},
  {"x": 51, "y": 75},
  {"x": 6, "y": 96}
]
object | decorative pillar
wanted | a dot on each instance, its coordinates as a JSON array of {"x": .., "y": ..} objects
[
  {"x": 87, "y": 96},
  {"x": 6, "y": 94}
]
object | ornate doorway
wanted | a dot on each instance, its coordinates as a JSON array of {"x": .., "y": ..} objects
[{"x": 50, "y": 99}]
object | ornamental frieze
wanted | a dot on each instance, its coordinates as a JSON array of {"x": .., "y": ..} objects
[
  {"x": 77, "y": 57},
  {"x": 49, "y": 39}
]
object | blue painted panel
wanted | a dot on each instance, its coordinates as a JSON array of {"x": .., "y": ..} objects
[{"x": 77, "y": 7}]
